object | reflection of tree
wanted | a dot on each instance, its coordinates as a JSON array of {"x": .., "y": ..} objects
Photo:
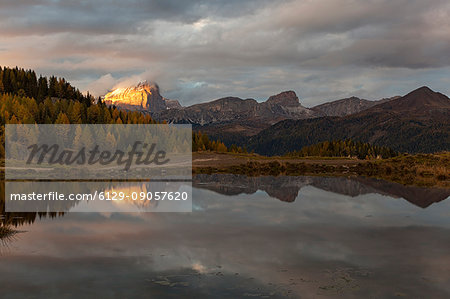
[
  {"x": 9, "y": 222},
  {"x": 127, "y": 188},
  {"x": 15, "y": 219},
  {"x": 7, "y": 234}
]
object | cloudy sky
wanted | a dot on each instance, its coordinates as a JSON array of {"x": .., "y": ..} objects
[{"x": 202, "y": 50}]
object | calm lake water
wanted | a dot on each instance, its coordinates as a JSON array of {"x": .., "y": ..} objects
[{"x": 264, "y": 237}]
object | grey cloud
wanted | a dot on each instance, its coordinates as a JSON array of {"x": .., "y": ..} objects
[
  {"x": 200, "y": 50},
  {"x": 109, "y": 16}
]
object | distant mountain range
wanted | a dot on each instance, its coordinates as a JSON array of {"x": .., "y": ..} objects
[
  {"x": 416, "y": 122},
  {"x": 286, "y": 105},
  {"x": 233, "y": 119}
]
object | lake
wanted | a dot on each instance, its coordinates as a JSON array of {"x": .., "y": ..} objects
[{"x": 247, "y": 237}]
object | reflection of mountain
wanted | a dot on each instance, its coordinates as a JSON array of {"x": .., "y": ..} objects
[
  {"x": 419, "y": 196},
  {"x": 140, "y": 189},
  {"x": 286, "y": 188}
]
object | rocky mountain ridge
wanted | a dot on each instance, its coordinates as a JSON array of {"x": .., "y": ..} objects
[
  {"x": 416, "y": 122},
  {"x": 146, "y": 97},
  {"x": 284, "y": 105}
]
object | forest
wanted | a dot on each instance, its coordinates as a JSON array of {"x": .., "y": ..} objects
[
  {"x": 25, "y": 83},
  {"x": 26, "y": 99},
  {"x": 344, "y": 148}
]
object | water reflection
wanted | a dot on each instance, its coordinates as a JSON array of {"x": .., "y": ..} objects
[
  {"x": 321, "y": 244},
  {"x": 286, "y": 188}
]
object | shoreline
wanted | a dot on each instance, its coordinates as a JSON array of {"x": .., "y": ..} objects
[{"x": 424, "y": 170}]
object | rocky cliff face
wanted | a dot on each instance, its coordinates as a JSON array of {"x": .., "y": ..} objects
[
  {"x": 286, "y": 105},
  {"x": 281, "y": 106},
  {"x": 144, "y": 97},
  {"x": 231, "y": 119},
  {"x": 347, "y": 106},
  {"x": 226, "y": 116}
]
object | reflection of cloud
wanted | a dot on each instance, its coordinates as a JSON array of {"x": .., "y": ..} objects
[
  {"x": 199, "y": 268},
  {"x": 292, "y": 246}
]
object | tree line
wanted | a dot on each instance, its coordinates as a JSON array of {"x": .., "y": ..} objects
[
  {"x": 25, "y": 83},
  {"x": 24, "y": 99},
  {"x": 201, "y": 142},
  {"x": 344, "y": 148}
]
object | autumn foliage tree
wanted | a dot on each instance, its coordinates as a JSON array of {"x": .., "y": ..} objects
[
  {"x": 25, "y": 83},
  {"x": 26, "y": 99},
  {"x": 344, "y": 148}
]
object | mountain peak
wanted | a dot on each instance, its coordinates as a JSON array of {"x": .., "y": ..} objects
[
  {"x": 422, "y": 91},
  {"x": 144, "y": 96},
  {"x": 423, "y": 97},
  {"x": 424, "y": 88},
  {"x": 419, "y": 101},
  {"x": 285, "y": 98}
]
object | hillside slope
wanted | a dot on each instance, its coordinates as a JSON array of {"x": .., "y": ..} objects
[{"x": 416, "y": 122}]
